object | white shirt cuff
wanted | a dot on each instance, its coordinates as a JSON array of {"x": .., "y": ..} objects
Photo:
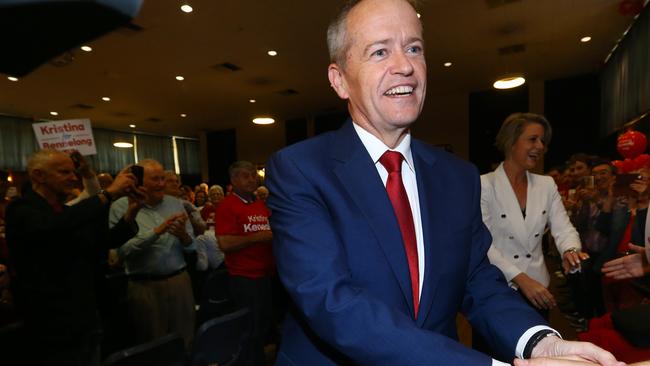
[
  {"x": 523, "y": 340},
  {"x": 499, "y": 363}
]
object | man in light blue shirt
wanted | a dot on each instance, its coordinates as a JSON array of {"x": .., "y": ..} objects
[{"x": 160, "y": 291}]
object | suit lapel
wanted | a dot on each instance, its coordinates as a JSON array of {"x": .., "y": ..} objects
[
  {"x": 358, "y": 174},
  {"x": 533, "y": 207},
  {"x": 430, "y": 214},
  {"x": 505, "y": 195}
]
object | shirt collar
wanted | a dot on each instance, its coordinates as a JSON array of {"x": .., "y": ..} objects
[
  {"x": 244, "y": 199},
  {"x": 376, "y": 148}
]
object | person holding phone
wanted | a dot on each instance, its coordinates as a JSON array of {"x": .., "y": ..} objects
[
  {"x": 517, "y": 205},
  {"x": 88, "y": 177},
  {"x": 54, "y": 249}
]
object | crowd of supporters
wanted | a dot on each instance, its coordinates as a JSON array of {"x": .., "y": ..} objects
[
  {"x": 144, "y": 252},
  {"x": 91, "y": 263}
]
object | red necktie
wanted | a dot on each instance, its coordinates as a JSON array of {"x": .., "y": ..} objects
[{"x": 392, "y": 161}]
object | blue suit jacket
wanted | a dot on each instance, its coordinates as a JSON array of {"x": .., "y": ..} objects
[{"x": 340, "y": 255}]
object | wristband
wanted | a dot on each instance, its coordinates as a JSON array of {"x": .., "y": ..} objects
[
  {"x": 109, "y": 198},
  {"x": 535, "y": 339}
]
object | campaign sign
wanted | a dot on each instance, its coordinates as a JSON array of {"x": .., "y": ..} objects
[{"x": 68, "y": 135}]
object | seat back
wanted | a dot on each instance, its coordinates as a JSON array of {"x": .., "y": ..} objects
[
  {"x": 224, "y": 340},
  {"x": 165, "y": 351},
  {"x": 13, "y": 343},
  {"x": 215, "y": 299}
]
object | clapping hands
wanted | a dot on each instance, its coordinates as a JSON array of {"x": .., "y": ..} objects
[{"x": 175, "y": 225}]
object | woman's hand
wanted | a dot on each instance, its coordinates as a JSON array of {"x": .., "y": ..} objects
[
  {"x": 535, "y": 292},
  {"x": 572, "y": 258}
]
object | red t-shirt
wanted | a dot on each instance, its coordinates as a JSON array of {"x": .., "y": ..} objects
[{"x": 236, "y": 217}]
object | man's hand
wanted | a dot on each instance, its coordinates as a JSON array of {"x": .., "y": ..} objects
[
  {"x": 629, "y": 266},
  {"x": 586, "y": 195},
  {"x": 123, "y": 184},
  {"x": 534, "y": 291},
  {"x": 556, "y": 361},
  {"x": 84, "y": 168},
  {"x": 137, "y": 197},
  {"x": 572, "y": 259},
  {"x": 165, "y": 226},
  {"x": 233, "y": 243},
  {"x": 177, "y": 228},
  {"x": 560, "y": 352}
]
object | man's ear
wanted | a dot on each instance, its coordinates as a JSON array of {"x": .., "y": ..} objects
[
  {"x": 37, "y": 176},
  {"x": 337, "y": 80}
]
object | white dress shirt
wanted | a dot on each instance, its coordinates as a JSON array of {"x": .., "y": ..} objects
[{"x": 376, "y": 148}]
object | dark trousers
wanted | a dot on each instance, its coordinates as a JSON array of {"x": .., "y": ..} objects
[
  {"x": 255, "y": 294},
  {"x": 587, "y": 290}
]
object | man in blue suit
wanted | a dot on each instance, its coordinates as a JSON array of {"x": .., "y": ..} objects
[{"x": 380, "y": 253}]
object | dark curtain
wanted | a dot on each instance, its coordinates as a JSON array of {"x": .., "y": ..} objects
[
  {"x": 17, "y": 142},
  {"x": 188, "y": 156},
  {"x": 111, "y": 159},
  {"x": 158, "y": 148},
  {"x": 625, "y": 83}
]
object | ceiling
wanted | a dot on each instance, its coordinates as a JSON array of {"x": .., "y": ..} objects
[{"x": 136, "y": 66}]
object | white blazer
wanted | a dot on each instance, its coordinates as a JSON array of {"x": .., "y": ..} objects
[{"x": 517, "y": 242}]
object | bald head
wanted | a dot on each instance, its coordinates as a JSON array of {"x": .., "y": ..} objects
[{"x": 105, "y": 180}]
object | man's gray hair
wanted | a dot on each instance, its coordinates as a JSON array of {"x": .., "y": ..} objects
[
  {"x": 240, "y": 165},
  {"x": 338, "y": 42},
  {"x": 39, "y": 159},
  {"x": 149, "y": 162},
  {"x": 171, "y": 173}
]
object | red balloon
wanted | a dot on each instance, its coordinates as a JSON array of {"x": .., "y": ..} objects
[
  {"x": 642, "y": 161},
  {"x": 630, "y": 7},
  {"x": 626, "y": 166},
  {"x": 631, "y": 144}
]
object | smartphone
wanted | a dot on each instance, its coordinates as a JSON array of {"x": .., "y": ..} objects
[
  {"x": 572, "y": 194},
  {"x": 622, "y": 184},
  {"x": 76, "y": 159},
  {"x": 138, "y": 171}
]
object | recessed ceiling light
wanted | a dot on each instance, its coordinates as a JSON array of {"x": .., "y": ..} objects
[
  {"x": 447, "y": 64},
  {"x": 106, "y": 99},
  {"x": 12, "y": 78},
  {"x": 252, "y": 101},
  {"x": 180, "y": 78},
  {"x": 418, "y": 14},
  {"x": 263, "y": 120},
  {"x": 183, "y": 115},
  {"x": 585, "y": 39},
  {"x": 272, "y": 53},
  {"x": 132, "y": 126},
  {"x": 509, "y": 82},
  {"x": 54, "y": 113},
  {"x": 123, "y": 144},
  {"x": 86, "y": 48},
  {"x": 186, "y": 8}
]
